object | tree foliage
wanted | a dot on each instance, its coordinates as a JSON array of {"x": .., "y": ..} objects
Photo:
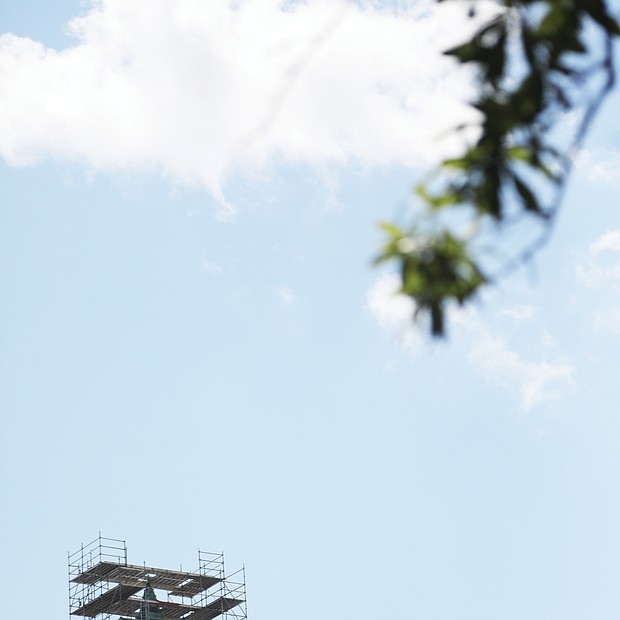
[{"x": 536, "y": 60}]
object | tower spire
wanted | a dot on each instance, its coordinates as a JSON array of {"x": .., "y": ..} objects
[{"x": 149, "y": 609}]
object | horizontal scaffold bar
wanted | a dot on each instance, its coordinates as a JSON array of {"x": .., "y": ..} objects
[{"x": 178, "y": 583}]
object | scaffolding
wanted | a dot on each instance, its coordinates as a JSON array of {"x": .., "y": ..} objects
[{"x": 103, "y": 585}]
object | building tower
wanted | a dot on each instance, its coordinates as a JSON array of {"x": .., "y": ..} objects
[{"x": 103, "y": 585}]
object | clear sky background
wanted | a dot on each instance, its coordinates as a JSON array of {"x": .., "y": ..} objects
[{"x": 195, "y": 350}]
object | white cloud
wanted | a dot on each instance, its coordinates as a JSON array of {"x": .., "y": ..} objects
[
  {"x": 394, "y": 311},
  {"x": 519, "y": 313},
  {"x": 607, "y": 241},
  {"x": 599, "y": 271},
  {"x": 211, "y": 268},
  {"x": 600, "y": 165},
  {"x": 601, "y": 265},
  {"x": 286, "y": 295},
  {"x": 538, "y": 382},
  {"x": 607, "y": 318},
  {"x": 199, "y": 90}
]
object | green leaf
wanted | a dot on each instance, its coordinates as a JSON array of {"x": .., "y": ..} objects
[
  {"x": 457, "y": 164},
  {"x": 392, "y": 230},
  {"x": 450, "y": 197},
  {"x": 513, "y": 153},
  {"x": 521, "y": 153}
]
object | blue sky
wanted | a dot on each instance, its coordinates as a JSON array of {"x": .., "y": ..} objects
[{"x": 195, "y": 350}]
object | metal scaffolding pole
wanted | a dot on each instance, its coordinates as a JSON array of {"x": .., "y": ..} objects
[{"x": 103, "y": 585}]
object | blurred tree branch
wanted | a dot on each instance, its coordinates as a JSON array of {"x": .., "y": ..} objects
[{"x": 536, "y": 61}]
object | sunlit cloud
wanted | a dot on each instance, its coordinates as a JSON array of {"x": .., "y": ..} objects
[
  {"x": 537, "y": 381},
  {"x": 600, "y": 165},
  {"x": 286, "y": 295},
  {"x": 607, "y": 241},
  {"x": 598, "y": 271},
  {"x": 211, "y": 268},
  {"x": 601, "y": 264},
  {"x": 199, "y": 91},
  {"x": 607, "y": 318},
  {"x": 519, "y": 313},
  {"x": 394, "y": 312}
]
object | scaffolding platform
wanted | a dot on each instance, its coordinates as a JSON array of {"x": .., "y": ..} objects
[{"x": 103, "y": 585}]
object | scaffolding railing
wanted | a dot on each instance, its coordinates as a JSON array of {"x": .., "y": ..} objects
[
  {"x": 231, "y": 587},
  {"x": 85, "y": 558},
  {"x": 103, "y": 585},
  {"x": 234, "y": 588}
]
